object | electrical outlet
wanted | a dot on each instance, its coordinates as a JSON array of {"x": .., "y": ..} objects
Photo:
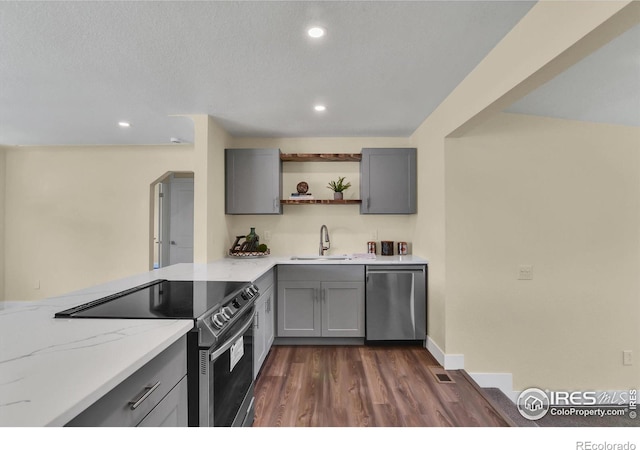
[
  {"x": 627, "y": 357},
  {"x": 525, "y": 272},
  {"x": 36, "y": 284},
  {"x": 266, "y": 235},
  {"x": 373, "y": 235}
]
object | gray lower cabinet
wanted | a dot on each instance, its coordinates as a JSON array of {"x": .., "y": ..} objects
[
  {"x": 253, "y": 181},
  {"x": 264, "y": 332},
  {"x": 320, "y": 301},
  {"x": 264, "y": 320},
  {"x": 388, "y": 181},
  {"x": 155, "y": 395}
]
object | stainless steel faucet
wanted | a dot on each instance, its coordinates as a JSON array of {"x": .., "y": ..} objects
[{"x": 323, "y": 249}]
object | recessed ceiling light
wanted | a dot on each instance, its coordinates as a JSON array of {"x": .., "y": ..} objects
[
  {"x": 124, "y": 124},
  {"x": 316, "y": 32},
  {"x": 320, "y": 108}
]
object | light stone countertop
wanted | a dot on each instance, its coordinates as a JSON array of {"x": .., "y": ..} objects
[{"x": 52, "y": 369}]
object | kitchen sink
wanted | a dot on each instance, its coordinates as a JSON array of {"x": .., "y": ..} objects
[{"x": 322, "y": 258}]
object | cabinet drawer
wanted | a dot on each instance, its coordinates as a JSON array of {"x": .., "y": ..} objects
[
  {"x": 321, "y": 272},
  {"x": 171, "y": 411},
  {"x": 114, "y": 409}
]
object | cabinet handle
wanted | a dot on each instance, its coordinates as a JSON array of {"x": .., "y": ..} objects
[
  {"x": 147, "y": 392},
  {"x": 275, "y": 203},
  {"x": 368, "y": 203}
]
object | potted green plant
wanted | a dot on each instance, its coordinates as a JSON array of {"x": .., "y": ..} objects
[{"x": 338, "y": 187}]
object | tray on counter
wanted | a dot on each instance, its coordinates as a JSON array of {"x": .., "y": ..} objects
[{"x": 248, "y": 255}]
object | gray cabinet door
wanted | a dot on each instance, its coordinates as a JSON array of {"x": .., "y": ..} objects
[
  {"x": 269, "y": 322},
  {"x": 258, "y": 335},
  {"x": 299, "y": 309},
  {"x": 253, "y": 181},
  {"x": 171, "y": 411},
  {"x": 343, "y": 309},
  {"x": 263, "y": 329},
  {"x": 388, "y": 180}
]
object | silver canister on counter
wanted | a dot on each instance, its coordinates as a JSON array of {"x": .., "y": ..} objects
[
  {"x": 387, "y": 248},
  {"x": 402, "y": 248},
  {"x": 371, "y": 247}
]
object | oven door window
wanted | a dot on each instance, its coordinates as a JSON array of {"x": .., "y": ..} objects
[{"x": 232, "y": 378}]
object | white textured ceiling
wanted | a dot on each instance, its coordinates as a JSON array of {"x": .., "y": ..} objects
[
  {"x": 603, "y": 87},
  {"x": 69, "y": 71}
]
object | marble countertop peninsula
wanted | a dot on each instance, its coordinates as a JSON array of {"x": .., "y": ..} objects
[{"x": 52, "y": 369}]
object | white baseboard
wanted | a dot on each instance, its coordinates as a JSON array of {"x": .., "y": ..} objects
[
  {"x": 502, "y": 381},
  {"x": 449, "y": 362}
]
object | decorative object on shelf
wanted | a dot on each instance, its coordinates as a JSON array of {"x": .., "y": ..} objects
[
  {"x": 371, "y": 247},
  {"x": 302, "y": 187},
  {"x": 250, "y": 248},
  {"x": 338, "y": 187},
  {"x": 402, "y": 248},
  {"x": 387, "y": 248},
  {"x": 303, "y": 192}
]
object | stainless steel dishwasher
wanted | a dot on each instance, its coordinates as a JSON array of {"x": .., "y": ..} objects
[{"x": 396, "y": 303}]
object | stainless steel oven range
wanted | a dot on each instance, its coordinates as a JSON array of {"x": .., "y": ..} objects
[{"x": 219, "y": 347}]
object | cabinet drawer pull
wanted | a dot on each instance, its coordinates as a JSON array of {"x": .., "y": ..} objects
[{"x": 147, "y": 392}]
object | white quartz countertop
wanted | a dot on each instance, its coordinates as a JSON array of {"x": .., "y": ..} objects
[{"x": 52, "y": 369}]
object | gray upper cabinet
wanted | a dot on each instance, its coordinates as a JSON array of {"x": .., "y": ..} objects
[
  {"x": 253, "y": 181},
  {"x": 388, "y": 181}
]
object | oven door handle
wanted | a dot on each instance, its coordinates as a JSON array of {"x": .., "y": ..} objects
[{"x": 227, "y": 345}]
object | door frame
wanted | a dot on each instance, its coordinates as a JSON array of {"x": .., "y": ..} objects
[{"x": 152, "y": 212}]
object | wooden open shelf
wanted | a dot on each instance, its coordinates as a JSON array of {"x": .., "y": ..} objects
[
  {"x": 320, "y": 202},
  {"x": 319, "y": 157}
]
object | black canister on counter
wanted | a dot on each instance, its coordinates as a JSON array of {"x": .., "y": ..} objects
[{"x": 387, "y": 248}]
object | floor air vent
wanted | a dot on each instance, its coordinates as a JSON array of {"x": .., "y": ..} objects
[{"x": 440, "y": 374}]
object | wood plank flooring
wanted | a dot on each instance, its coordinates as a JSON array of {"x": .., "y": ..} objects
[{"x": 364, "y": 386}]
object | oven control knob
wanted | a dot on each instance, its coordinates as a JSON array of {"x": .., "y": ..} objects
[
  {"x": 235, "y": 303},
  {"x": 226, "y": 312},
  {"x": 218, "y": 321}
]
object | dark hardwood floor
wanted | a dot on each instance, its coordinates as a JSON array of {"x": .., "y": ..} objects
[{"x": 364, "y": 386}]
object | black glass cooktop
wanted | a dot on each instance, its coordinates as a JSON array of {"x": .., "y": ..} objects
[{"x": 159, "y": 300}]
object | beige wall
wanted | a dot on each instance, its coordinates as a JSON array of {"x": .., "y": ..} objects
[
  {"x": 2, "y": 201},
  {"x": 522, "y": 61},
  {"x": 78, "y": 216},
  {"x": 562, "y": 196},
  {"x": 297, "y": 230},
  {"x": 210, "y": 227}
]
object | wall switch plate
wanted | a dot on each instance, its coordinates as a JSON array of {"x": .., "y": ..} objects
[
  {"x": 627, "y": 357},
  {"x": 525, "y": 272},
  {"x": 267, "y": 235},
  {"x": 36, "y": 284},
  {"x": 373, "y": 235}
]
